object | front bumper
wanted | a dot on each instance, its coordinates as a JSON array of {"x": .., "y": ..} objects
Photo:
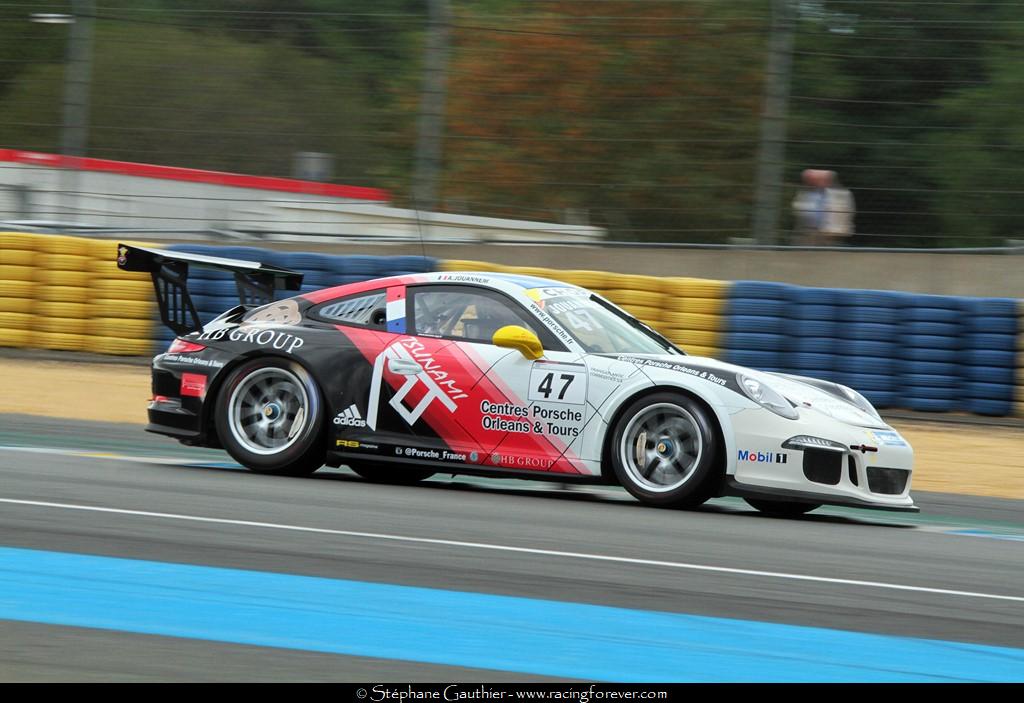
[
  {"x": 853, "y": 466},
  {"x": 734, "y": 488}
]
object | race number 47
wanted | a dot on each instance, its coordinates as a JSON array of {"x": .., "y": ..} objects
[{"x": 558, "y": 383}]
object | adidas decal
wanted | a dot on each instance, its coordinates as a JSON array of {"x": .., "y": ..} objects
[{"x": 350, "y": 416}]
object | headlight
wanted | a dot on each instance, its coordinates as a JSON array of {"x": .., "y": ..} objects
[
  {"x": 767, "y": 397},
  {"x": 807, "y": 442},
  {"x": 860, "y": 401}
]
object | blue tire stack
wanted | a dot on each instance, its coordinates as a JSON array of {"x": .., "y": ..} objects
[
  {"x": 1019, "y": 393},
  {"x": 814, "y": 330},
  {"x": 318, "y": 270},
  {"x": 353, "y": 269},
  {"x": 868, "y": 342},
  {"x": 930, "y": 357},
  {"x": 757, "y": 325},
  {"x": 407, "y": 265},
  {"x": 989, "y": 355}
]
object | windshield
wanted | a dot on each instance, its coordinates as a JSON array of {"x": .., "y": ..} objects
[{"x": 597, "y": 326}]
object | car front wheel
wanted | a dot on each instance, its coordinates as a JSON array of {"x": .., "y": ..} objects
[
  {"x": 269, "y": 417},
  {"x": 665, "y": 451}
]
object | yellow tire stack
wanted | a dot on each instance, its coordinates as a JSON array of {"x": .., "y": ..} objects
[
  {"x": 596, "y": 281},
  {"x": 66, "y": 293},
  {"x": 640, "y": 296},
  {"x": 122, "y": 312},
  {"x": 60, "y": 318},
  {"x": 17, "y": 288},
  {"x": 692, "y": 315}
]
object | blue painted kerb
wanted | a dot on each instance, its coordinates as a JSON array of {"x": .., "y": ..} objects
[{"x": 561, "y": 639}]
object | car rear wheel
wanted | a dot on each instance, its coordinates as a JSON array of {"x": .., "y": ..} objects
[
  {"x": 781, "y": 508},
  {"x": 269, "y": 417},
  {"x": 390, "y": 473},
  {"x": 665, "y": 451}
]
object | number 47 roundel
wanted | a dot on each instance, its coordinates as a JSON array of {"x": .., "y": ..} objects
[{"x": 558, "y": 383}]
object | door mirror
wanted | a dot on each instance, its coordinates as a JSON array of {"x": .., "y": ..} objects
[{"x": 516, "y": 337}]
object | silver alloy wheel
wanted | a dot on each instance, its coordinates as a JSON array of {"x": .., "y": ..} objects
[
  {"x": 661, "y": 447},
  {"x": 267, "y": 410}
]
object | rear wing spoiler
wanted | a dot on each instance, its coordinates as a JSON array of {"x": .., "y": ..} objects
[{"x": 256, "y": 282}]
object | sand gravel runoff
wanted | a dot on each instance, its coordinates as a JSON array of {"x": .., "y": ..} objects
[{"x": 975, "y": 459}]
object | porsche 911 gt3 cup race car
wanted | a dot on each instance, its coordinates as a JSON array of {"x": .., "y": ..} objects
[{"x": 500, "y": 375}]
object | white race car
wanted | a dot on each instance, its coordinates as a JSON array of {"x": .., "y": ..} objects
[{"x": 504, "y": 375}]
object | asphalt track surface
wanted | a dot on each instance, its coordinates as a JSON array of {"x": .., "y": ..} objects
[{"x": 525, "y": 539}]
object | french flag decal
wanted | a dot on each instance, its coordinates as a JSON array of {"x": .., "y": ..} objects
[{"x": 396, "y": 309}]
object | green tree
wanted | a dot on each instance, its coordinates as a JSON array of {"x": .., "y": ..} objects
[
  {"x": 976, "y": 157},
  {"x": 642, "y": 114},
  {"x": 24, "y": 43},
  {"x": 869, "y": 84},
  {"x": 178, "y": 97}
]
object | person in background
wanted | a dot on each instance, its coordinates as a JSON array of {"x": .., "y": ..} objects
[{"x": 823, "y": 209}]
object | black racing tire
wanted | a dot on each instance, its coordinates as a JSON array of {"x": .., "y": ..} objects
[
  {"x": 665, "y": 451},
  {"x": 781, "y": 508},
  {"x": 390, "y": 473},
  {"x": 269, "y": 418}
]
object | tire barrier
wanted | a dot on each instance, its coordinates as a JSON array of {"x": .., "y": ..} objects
[
  {"x": 693, "y": 314},
  {"x": 121, "y": 305},
  {"x": 631, "y": 293},
  {"x": 62, "y": 278},
  {"x": 921, "y": 352},
  {"x": 1019, "y": 361},
  {"x": 757, "y": 324},
  {"x": 67, "y": 293},
  {"x": 991, "y": 336},
  {"x": 17, "y": 288},
  {"x": 929, "y": 353}
]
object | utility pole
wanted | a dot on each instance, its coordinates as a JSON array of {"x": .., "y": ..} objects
[
  {"x": 430, "y": 126},
  {"x": 74, "y": 135},
  {"x": 775, "y": 105},
  {"x": 77, "y": 78}
]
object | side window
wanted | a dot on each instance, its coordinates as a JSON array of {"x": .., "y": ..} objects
[
  {"x": 365, "y": 309},
  {"x": 466, "y": 313}
]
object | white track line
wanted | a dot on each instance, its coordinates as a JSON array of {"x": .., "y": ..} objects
[
  {"x": 100, "y": 454},
  {"x": 519, "y": 550}
]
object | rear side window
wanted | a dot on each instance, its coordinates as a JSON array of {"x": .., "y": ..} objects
[{"x": 365, "y": 309}]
